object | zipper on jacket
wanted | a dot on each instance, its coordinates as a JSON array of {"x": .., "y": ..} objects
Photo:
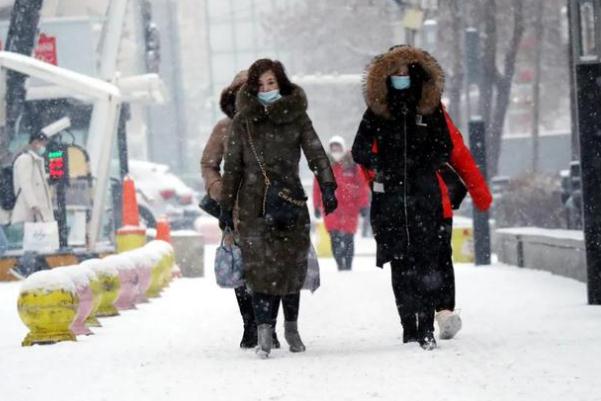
[{"x": 405, "y": 111}]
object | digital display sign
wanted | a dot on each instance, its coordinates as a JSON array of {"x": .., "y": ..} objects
[{"x": 56, "y": 165}]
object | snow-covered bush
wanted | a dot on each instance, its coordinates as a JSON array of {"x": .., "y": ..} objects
[{"x": 532, "y": 200}]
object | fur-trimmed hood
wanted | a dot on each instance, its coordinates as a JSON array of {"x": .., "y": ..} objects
[
  {"x": 227, "y": 102},
  {"x": 375, "y": 84},
  {"x": 287, "y": 109}
]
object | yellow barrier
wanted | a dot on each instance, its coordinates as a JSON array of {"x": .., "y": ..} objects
[
  {"x": 463, "y": 244},
  {"x": 324, "y": 243}
]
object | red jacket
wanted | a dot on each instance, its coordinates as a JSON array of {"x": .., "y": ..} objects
[
  {"x": 352, "y": 194},
  {"x": 463, "y": 163}
]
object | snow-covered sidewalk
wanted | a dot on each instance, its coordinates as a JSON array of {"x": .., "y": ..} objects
[{"x": 527, "y": 336}]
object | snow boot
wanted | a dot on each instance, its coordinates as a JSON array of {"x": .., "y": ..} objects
[
  {"x": 409, "y": 323},
  {"x": 275, "y": 341},
  {"x": 449, "y": 324},
  {"x": 427, "y": 341},
  {"x": 425, "y": 330},
  {"x": 249, "y": 338},
  {"x": 265, "y": 340},
  {"x": 293, "y": 337}
]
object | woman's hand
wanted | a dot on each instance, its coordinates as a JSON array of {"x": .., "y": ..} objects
[
  {"x": 226, "y": 220},
  {"x": 330, "y": 203}
]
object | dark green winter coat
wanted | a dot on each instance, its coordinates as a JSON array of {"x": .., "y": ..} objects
[{"x": 275, "y": 262}]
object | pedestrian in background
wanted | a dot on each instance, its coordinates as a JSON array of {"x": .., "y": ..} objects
[{"x": 353, "y": 200}]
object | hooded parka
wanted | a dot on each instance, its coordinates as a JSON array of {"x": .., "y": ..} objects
[
  {"x": 275, "y": 262},
  {"x": 403, "y": 137},
  {"x": 212, "y": 156}
]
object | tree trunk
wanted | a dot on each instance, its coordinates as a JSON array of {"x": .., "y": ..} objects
[
  {"x": 536, "y": 104},
  {"x": 456, "y": 80},
  {"x": 496, "y": 121},
  {"x": 489, "y": 60}
]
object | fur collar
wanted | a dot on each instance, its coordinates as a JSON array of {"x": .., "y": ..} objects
[
  {"x": 375, "y": 88},
  {"x": 285, "y": 110},
  {"x": 227, "y": 101}
]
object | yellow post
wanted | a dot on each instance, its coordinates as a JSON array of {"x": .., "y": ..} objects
[
  {"x": 47, "y": 305},
  {"x": 128, "y": 239}
]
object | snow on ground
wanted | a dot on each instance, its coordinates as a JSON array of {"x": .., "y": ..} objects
[{"x": 527, "y": 335}]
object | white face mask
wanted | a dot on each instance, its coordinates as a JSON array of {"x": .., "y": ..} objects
[{"x": 337, "y": 156}]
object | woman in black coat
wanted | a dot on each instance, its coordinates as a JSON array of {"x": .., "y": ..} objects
[{"x": 403, "y": 140}]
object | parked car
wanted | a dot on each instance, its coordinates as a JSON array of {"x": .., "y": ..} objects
[{"x": 165, "y": 194}]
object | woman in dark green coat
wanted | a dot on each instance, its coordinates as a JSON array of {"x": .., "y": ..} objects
[{"x": 261, "y": 177}]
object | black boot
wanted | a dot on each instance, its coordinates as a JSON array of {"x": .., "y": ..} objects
[
  {"x": 276, "y": 342},
  {"x": 425, "y": 330},
  {"x": 409, "y": 323},
  {"x": 249, "y": 337}
]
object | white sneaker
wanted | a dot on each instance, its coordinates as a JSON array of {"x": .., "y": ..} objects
[{"x": 449, "y": 324}]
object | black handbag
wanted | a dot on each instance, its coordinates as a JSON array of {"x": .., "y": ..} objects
[
  {"x": 282, "y": 206},
  {"x": 455, "y": 185}
]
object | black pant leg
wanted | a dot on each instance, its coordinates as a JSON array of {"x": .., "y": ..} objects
[
  {"x": 349, "y": 241},
  {"x": 446, "y": 299},
  {"x": 336, "y": 237},
  {"x": 245, "y": 305},
  {"x": 291, "y": 305},
  {"x": 404, "y": 288},
  {"x": 264, "y": 306}
]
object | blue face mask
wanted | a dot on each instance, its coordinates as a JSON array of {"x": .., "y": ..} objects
[
  {"x": 269, "y": 97},
  {"x": 400, "y": 82}
]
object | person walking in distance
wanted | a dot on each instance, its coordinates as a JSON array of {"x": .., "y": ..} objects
[{"x": 353, "y": 200}]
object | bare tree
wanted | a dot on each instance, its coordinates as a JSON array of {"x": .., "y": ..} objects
[
  {"x": 334, "y": 36},
  {"x": 456, "y": 78},
  {"x": 495, "y": 89}
]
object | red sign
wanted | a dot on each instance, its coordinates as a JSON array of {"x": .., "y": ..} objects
[{"x": 46, "y": 49}]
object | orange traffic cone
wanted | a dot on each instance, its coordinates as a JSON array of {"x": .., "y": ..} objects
[
  {"x": 131, "y": 235},
  {"x": 131, "y": 214},
  {"x": 163, "y": 230}
]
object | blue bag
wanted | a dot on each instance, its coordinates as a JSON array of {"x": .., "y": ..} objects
[{"x": 229, "y": 268}]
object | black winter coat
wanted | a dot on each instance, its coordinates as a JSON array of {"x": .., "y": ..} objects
[{"x": 405, "y": 146}]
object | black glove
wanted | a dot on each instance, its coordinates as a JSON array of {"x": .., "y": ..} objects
[
  {"x": 210, "y": 206},
  {"x": 226, "y": 220},
  {"x": 317, "y": 213},
  {"x": 364, "y": 212},
  {"x": 330, "y": 203}
]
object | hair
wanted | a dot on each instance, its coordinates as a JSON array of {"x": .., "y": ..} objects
[
  {"x": 37, "y": 136},
  {"x": 263, "y": 65}
]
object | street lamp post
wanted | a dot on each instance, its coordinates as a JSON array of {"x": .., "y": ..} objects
[{"x": 585, "y": 26}]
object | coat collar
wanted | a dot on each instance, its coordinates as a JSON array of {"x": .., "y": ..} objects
[
  {"x": 375, "y": 86},
  {"x": 285, "y": 110},
  {"x": 35, "y": 156}
]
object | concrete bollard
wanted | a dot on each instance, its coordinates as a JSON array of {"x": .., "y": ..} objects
[
  {"x": 97, "y": 291},
  {"x": 47, "y": 305},
  {"x": 155, "y": 257},
  {"x": 128, "y": 276},
  {"x": 82, "y": 277},
  {"x": 144, "y": 267},
  {"x": 111, "y": 286}
]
